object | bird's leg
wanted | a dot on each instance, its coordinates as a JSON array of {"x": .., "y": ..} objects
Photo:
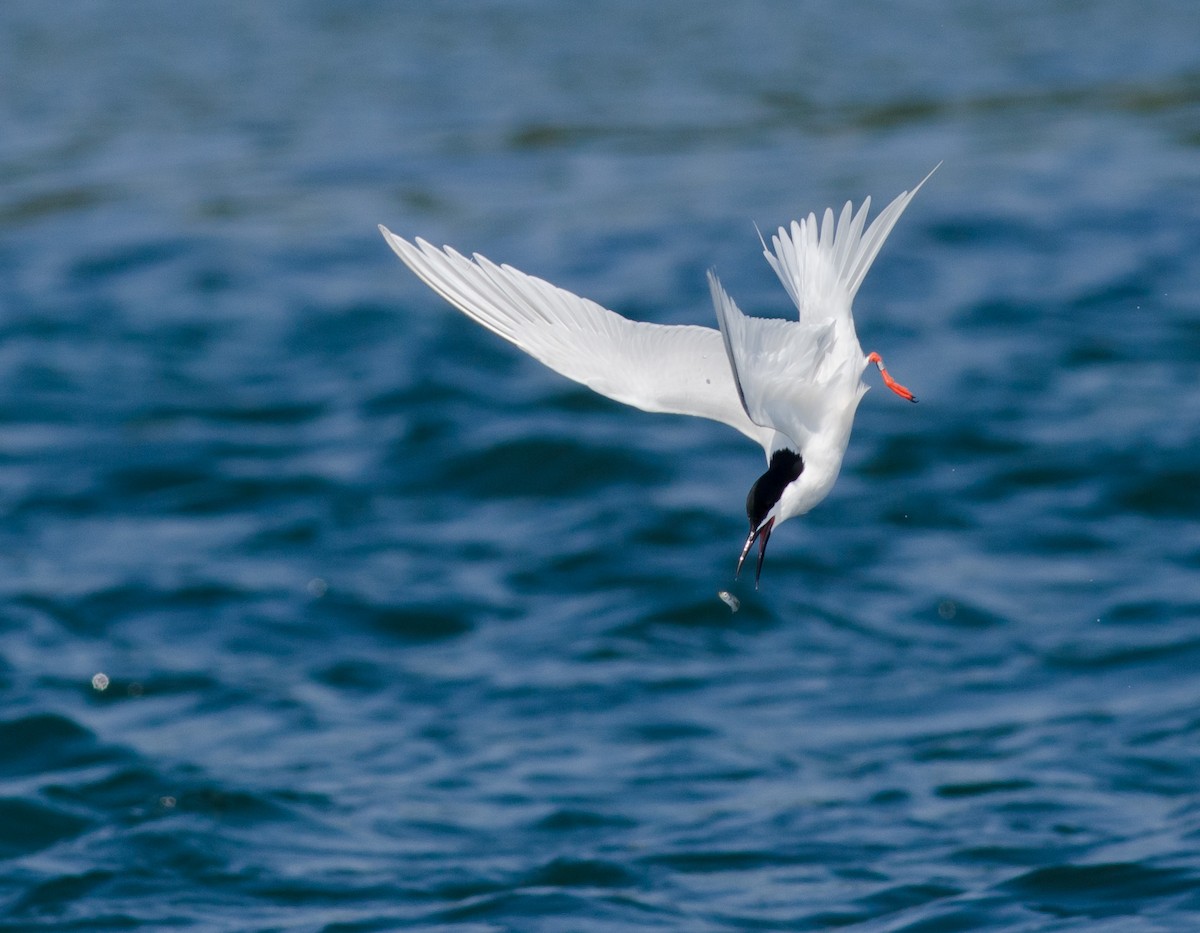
[{"x": 888, "y": 380}]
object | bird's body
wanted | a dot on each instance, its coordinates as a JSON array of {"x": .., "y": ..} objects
[{"x": 791, "y": 386}]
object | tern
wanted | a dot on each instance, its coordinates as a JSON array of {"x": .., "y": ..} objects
[{"x": 792, "y": 386}]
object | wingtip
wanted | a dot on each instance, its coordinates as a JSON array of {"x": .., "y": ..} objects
[
  {"x": 761, "y": 240},
  {"x": 397, "y": 244},
  {"x": 391, "y": 238},
  {"x": 720, "y": 297},
  {"x": 926, "y": 178}
]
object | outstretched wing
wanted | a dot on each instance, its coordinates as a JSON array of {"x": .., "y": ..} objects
[
  {"x": 804, "y": 377},
  {"x": 823, "y": 268},
  {"x": 679, "y": 369}
]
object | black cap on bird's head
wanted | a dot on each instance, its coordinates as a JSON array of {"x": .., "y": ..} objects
[{"x": 785, "y": 467}]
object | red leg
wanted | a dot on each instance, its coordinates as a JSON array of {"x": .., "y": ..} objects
[{"x": 888, "y": 380}]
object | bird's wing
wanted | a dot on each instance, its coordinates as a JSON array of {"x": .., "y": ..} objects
[
  {"x": 782, "y": 369},
  {"x": 679, "y": 369},
  {"x": 822, "y": 268}
]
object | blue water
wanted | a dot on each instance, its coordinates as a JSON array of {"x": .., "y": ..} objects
[{"x": 321, "y": 609}]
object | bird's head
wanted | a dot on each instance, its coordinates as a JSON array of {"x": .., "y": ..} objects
[{"x": 763, "y": 503}]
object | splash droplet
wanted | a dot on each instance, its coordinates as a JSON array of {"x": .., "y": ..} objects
[
  {"x": 729, "y": 600},
  {"x": 317, "y": 587}
]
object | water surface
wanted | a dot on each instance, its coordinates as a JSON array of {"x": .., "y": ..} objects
[{"x": 322, "y": 609}]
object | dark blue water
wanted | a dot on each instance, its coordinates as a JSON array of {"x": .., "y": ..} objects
[{"x": 323, "y": 610}]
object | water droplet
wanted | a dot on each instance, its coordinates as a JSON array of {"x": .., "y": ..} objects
[
  {"x": 100, "y": 681},
  {"x": 729, "y": 600}
]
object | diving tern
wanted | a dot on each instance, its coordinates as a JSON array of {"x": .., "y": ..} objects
[{"x": 792, "y": 386}]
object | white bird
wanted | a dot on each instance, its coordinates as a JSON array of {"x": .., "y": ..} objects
[{"x": 792, "y": 386}]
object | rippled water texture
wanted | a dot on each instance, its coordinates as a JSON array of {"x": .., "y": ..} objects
[{"x": 321, "y": 609}]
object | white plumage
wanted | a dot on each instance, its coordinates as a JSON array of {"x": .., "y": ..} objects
[{"x": 791, "y": 386}]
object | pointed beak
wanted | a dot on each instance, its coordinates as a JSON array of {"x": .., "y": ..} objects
[{"x": 761, "y": 534}]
